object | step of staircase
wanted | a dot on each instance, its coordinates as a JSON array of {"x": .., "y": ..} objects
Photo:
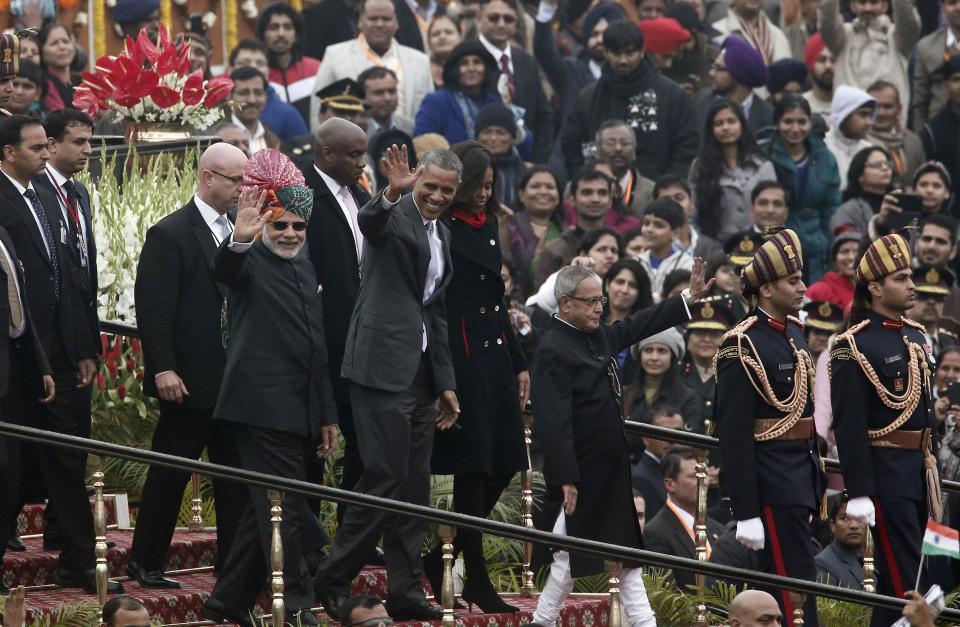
[
  {"x": 31, "y": 520},
  {"x": 185, "y": 606}
]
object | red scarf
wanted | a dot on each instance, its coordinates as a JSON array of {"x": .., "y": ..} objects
[{"x": 473, "y": 220}]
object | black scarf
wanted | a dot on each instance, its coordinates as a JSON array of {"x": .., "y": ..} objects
[{"x": 632, "y": 98}]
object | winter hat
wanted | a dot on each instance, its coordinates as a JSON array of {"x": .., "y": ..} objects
[
  {"x": 843, "y": 238},
  {"x": 686, "y": 14},
  {"x": 496, "y": 114},
  {"x": 785, "y": 71},
  {"x": 671, "y": 338},
  {"x": 744, "y": 62},
  {"x": 846, "y": 100},
  {"x": 812, "y": 51},
  {"x": 663, "y": 35},
  {"x": 609, "y": 11},
  {"x": 576, "y": 8}
]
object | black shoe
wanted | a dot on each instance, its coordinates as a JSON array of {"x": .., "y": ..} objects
[
  {"x": 417, "y": 610},
  {"x": 482, "y": 594},
  {"x": 85, "y": 579},
  {"x": 378, "y": 558},
  {"x": 219, "y": 613},
  {"x": 16, "y": 544},
  {"x": 54, "y": 544},
  {"x": 149, "y": 578},
  {"x": 301, "y": 617},
  {"x": 331, "y": 601}
]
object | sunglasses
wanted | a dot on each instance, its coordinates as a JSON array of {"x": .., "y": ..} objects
[
  {"x": 506, "y": 18},
  {"x": 281, "y": 225},
  {"x": 937, "y": 298}
]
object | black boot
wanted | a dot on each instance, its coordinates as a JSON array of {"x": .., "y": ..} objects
[
  {"x": 433, "y": 570},
  {"x": 479, "y": 591}
]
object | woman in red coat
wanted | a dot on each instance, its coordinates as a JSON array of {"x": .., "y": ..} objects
[
  {"x": 836, "y": 286},
  {"x": 491, "y": 372}
]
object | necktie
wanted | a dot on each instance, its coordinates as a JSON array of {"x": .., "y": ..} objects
[
  {"x": 75, "y": 212},
  {"x": 16, "y": 309},
  {"x": 352, "y": 210},
  {"x": 224, "y": 228},
  {"x": 47, "y": 237},
  {"x": 433, "y": 270},
  {"x": 74, "y": 209},
  {"x": 505, "y": 68}
]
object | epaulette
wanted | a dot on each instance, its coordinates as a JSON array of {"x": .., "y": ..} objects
[
  {"x": 735, "y": 333},
  {"x": 795, "y": 320},
  {"x": 844, "y": 353},
  {"x": 739, "y": 328},
  {"x": 913, "y": 323}
]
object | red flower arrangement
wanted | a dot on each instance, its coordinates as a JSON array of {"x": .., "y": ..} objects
[{"x": 150, "y": 82}]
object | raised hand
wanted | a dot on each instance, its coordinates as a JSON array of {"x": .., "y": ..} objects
[
  {"x": 699, "y": 289},
  {"x": 400, "y": 177},
  {"x": 249, "y": 221}
]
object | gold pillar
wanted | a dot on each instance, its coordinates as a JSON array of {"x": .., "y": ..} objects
[
  {"x": 613, "y": 570},
  {"x": 100, "y": 529},
  {"x": 526, "y": 503},
  {"x": 700, "y": 529},
  {"x": 869, "y": 573},
  {"x": 447, "y": 534},
  {"x": 798, "y": 600},
  {"x": 276, "y": 557},
  {"x": 196, "y": 504}
]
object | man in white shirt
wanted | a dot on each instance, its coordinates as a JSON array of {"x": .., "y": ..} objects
[
  {"x": 250, "y": 97},
  {"x": 376, "y": 45}
]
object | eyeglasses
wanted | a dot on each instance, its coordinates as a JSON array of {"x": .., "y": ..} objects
[
  {"x": 614, "y": 143},
  {"x": 880, "y": 164},
  {"x": 281, "y": 225},
  {"x": 593, "y": 301},
  {"x": 372, "y": 622},
  {"x": 506, "y": 18},
  {"x": 236, "y": 180},
  {"x": 937, "y": 298}
]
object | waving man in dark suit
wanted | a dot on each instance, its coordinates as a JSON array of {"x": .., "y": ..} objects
[{"x": 398, "y": 361}]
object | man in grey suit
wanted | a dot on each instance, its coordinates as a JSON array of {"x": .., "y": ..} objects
[
  {"x": 276, "y": 398},
  {"x": 932, "y": 52},
  {"x": 398, "y": 361},
  {"x": 841, "y": 562}
]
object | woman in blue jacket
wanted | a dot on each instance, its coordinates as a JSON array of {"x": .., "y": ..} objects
[
  {"x": 469, "y": 82},
  {"x": 806, "y": 167}
]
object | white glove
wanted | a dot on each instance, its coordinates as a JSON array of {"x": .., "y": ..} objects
[
  {"x": 861, "y": 508},
  {"x": 750, "y": 533}
]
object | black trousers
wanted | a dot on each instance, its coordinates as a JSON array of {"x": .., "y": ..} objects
[
  {"x": 247, "y": 566},
  {"x": 788, "y": 551},
  {"x": 351, "y": 462},
  {"x": 897, "y": 538},
  {"x": 395, "y": 436},
  {"x": 185, "y": 432}
]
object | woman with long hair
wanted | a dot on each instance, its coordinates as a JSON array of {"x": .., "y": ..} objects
[
  {"x": 491, "y": 373},
  {"x": 627, "y": 288},
  {"x": 57, "y": 52},
  {"x": 807, "y": 169},
  {"x": 443, "y": 36},
  {"x": 537, "y": 221},
  {"x": 867, "y": 201},
  {"x": 727, "y": 168}
]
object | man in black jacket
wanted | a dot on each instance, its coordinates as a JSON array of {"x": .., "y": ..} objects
[
  {"x": 57, "y": 307},
  {"x": 178, "y": 314},
  {"x": 276, "y": 396},
  {"x": 631, "y": 88},
  {"x": 336, "y": 249}
]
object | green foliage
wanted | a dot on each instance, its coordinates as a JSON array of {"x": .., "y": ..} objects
[{"x": 81, "y": 614}]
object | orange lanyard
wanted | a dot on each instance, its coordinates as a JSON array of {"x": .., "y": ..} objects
[
  {"x": 379, "y": 61},
  {"x": 628, "y": 192},
  {"x": 686, "y": 527}
]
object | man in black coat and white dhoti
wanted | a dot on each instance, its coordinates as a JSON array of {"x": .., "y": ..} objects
[{"x": 577, "y": 395}]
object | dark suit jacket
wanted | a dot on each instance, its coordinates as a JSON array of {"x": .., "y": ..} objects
[
  {"x": 89, "y": 299},
  {"x": 665, "y": 533},
  {"x": 178, "y": 306},
  {"x": 647, "y": 478},
  {"x": 840, "y": 566},
  {"x": 384, "y": 341},
  {"x": 276, "y": 374},
  {"x": 63, "y": 326},
  {"x": 408, "y": 30},
  {"x": 328, "y": 23},
  {"x": 530, "y": 95},
  {"x": 334, "y": 258}
]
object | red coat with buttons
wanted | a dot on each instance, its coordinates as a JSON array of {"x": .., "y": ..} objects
[{"x": 486, "y": 360}]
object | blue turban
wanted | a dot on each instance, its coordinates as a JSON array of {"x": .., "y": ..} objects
[
  {"x": 128, "y": 11},
  {"x": 785, "y": 71},
  {"x": 744, "y": 62},
  {"x": 610, "y": 11}
]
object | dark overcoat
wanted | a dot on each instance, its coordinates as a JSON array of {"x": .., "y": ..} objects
[
  {"x": 579, "y": 419},
  {"x": 486, "y": 360}
]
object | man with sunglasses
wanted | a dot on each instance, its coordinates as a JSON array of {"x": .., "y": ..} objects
[
  {"x": 577, "y": 396},
  {"x": 932, "y": 285},
  {"x": 178, "y": 303}
]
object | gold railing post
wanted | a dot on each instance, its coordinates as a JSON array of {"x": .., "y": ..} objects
[
  {"x": 798, "y": 600},
  {"x": 276, "y": 557},
  {"x": 526, "y": 503},
  {"x": 700, "y": 528},
  {"x": 196, "y": 504},
  {"x": 869, "y": 573},
  {"x": 447, "y": 534},
  {"x": 100, "y": 530},
  {"x": 613, "y": 570}
]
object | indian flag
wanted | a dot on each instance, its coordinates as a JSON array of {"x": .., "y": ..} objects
[{"x": 941, "y": 540}]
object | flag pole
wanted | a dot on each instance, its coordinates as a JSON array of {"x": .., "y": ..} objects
[{"x": 916, "y": 586}]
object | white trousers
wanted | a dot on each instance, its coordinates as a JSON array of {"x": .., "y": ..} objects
[{"x": 559, "y": 585}]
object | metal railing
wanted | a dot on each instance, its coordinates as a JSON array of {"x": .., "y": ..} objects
[{"x": 601, "y": 550}]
